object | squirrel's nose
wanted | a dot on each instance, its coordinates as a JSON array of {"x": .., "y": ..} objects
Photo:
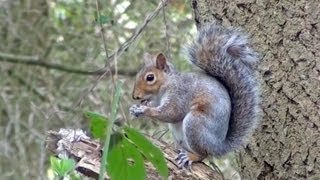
[{"x": 135, "y": 97}]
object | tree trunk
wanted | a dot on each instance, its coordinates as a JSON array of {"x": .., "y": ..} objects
[{"x": 286, "y": 34}]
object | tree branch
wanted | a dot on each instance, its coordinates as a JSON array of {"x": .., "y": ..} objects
[{"x": 36, "y": 61}]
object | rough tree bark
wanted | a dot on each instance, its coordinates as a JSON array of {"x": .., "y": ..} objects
[{"x": 286, "y": 34}]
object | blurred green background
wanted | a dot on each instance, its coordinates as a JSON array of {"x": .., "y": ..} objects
[{"x": 39, "y": 37}]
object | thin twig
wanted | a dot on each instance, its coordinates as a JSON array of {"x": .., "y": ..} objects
[
  {"x": 139, "y": 30},
  {"x": 107, "y": 64},
  {"x": 90, "y": 89},
  {"x": 102, "y": 33},
  {"x": 120, "y": 102},
  {"x": 163, "y": 132},
  {"x": 36, "y": 61},
  {"x": 167, "y": 32}
]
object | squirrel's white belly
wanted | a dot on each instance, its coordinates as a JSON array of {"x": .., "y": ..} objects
[{"x": 178, "y": 135}]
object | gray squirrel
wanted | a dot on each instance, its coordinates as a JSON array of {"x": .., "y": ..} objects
[{"x": 211, "y": 112}]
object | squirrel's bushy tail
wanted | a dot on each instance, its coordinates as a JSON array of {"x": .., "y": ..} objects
[{"x": 225, "y": 54}]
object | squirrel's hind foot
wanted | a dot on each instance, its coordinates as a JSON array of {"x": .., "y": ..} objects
[{"x": 185, "y": 159}]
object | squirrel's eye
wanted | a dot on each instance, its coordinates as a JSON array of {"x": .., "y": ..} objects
[{"x": 150, "y": 77}]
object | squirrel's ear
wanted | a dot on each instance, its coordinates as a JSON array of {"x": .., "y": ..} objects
[
  {"x": 147, "y": 58},
  {"x": 161, "y": 62}
]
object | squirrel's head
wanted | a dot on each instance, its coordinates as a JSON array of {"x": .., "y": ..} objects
[{"x": 151, "y": 77}]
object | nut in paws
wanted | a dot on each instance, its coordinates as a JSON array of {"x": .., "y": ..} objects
[{"x": 137, "y": 110}]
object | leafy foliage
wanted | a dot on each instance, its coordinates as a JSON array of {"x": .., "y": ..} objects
[
  {"x": 123, "y": 149},
  {"x": 125, "y": 162},
  {"x": 98, "y": 124},
  {"x": 152, "y": 153},
  {"x": 62, "y": 167}
]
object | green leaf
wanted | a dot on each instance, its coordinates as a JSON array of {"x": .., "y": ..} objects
[
  {"x": 55, "y": 164},
  {"x": 101, "y": 19},
  {"x": 67, "y": 165},
  {"x": 98, "y": 124},
  {"x": 62, "y": 166},
  {"x": 125, "y": 162},
  {"x": 151, "y": 152},
  {"x": 115, "y": 138}
]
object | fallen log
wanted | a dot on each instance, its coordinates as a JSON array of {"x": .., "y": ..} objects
[{"x": 87, "y": 153}]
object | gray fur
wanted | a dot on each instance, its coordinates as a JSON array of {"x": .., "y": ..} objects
[
  {"x": 197, "y": 133},
  {"x": 209, "y": 113},
  {"x": 235, "y": 71}
]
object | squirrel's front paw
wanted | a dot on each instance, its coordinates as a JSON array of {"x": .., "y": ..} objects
[{"x": 137, "y": 110}]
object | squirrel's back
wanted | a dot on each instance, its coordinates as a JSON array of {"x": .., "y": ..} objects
[{"x": 225, "y": 54}]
